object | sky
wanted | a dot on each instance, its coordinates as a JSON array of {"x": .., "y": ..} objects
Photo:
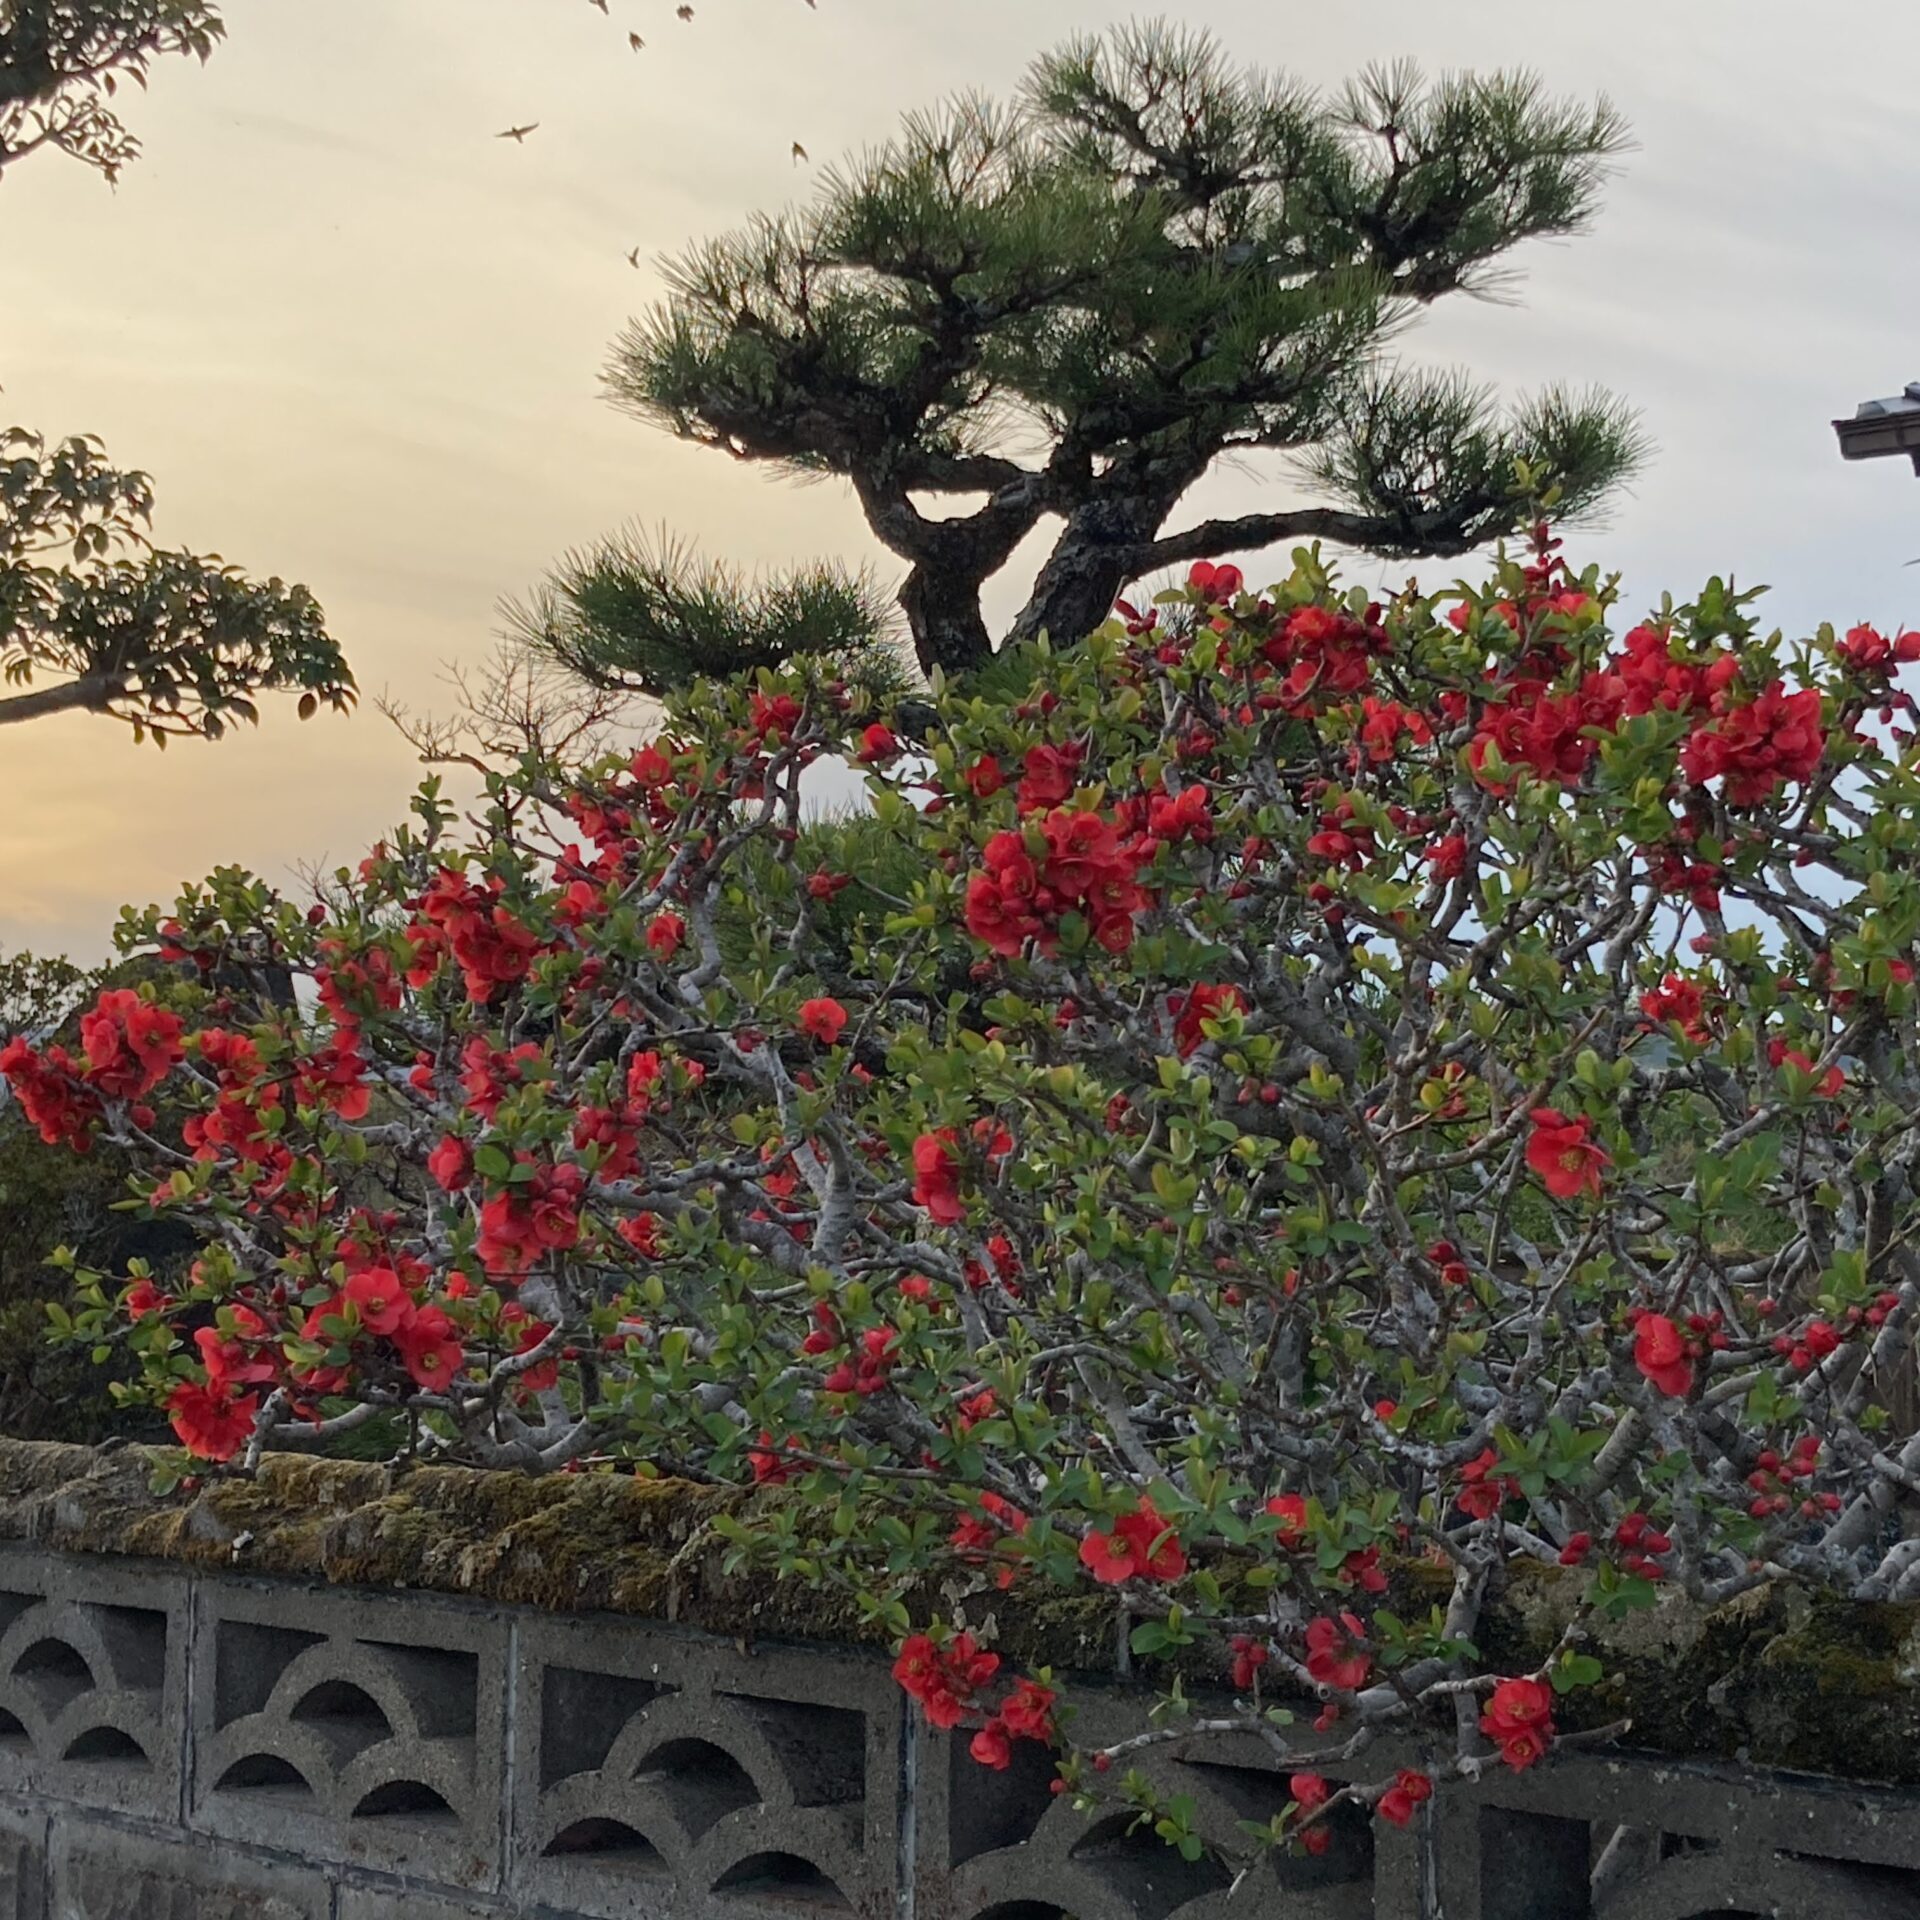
[{"x": 356, "y": 339}]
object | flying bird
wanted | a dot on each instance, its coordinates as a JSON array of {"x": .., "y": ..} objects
[
  {"x": 635, "y": 42},
  {"x": 518, "y": 134},
  {"x": 601, "y": 4},
  {"x": 685, "y": 13},
  {"x": 633, "y": 259},
  {"x": 799, "y": 153}
]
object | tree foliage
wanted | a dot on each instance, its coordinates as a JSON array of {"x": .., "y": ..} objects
[
  {"x": 1075, "y": 304},
  {"x": 63, "y": 61},
  {"x": 1312, "y": 1087},
  {"x": 169, "y": 642},
  {"x": 640, "y": 615}
]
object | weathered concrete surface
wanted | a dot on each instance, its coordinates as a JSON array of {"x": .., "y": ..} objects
[
  {"x": 1778, "y": 1678},
  {"x": 331, "y": 1694}
]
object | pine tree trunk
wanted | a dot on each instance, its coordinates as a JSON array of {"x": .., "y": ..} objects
[
  {"x": 942, "y": 605},
  {"x": 1084, "y": 574}
]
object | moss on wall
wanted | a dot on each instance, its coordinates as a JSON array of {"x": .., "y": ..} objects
[{"x": 1779, "y": 1677}]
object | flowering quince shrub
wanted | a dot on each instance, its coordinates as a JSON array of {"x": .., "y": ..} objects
[{"x": 1344, "y": 1086}]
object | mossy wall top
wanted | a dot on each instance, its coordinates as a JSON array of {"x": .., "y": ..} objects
[{"x": 1780, "y": 1677}]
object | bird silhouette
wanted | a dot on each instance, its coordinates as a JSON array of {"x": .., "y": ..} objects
[
  {"x": 799, "y": 153},
  {"x": 633, "y": 259},
  {"x": 601, "y": 4},
  {"x": 518, "y": 134},
  {"x": 685, "y": 13},
  {"x": 635, "y": 42}
]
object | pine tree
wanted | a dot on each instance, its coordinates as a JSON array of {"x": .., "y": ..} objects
[{"x": 1072, "y": 306}]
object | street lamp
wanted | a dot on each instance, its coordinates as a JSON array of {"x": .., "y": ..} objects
[{"x": 1882, "y": 427}]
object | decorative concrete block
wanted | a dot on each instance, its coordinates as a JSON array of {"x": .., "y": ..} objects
[
  {"x": 23, "y": 1862},
  {"x": 361, "y": 1731},
  {"x": 996, "y": 1843},
  {"x": 110, "y": 1873},
  {"x": 408, "y": 1903},
  {"x": 92, "y": 1673},
  {"x": 666, "y": 1773}
]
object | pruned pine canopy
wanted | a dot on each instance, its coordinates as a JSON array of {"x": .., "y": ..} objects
[{"x": 1067, "y": 307}]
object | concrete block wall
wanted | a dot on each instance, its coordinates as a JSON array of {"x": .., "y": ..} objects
[{"x": 183, "y": 1745}]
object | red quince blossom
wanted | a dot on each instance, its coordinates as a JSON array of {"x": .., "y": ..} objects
[
  {"x": 131, "y": 1045},
  {"x": 1081, "y": 864},
  {"x": 491, "y": 945},
  {"x": 451, "y": 1164},
  {"x": 1290, "y": 1509},
  {"x": 429, "y": 1347},
  {"x": 1248, "y": 1657},
  {"x": 1758, "y": 748},
  {"x": 1559, "y": 1150},
  {"x": 1681, "y": 1002},
  {"x": 1027, "y": 1712},
  {"x": 823, "y": 1020},
  {"x": 380, "y": 1300},
  {"x": 1396, "y": 1806},
  {"x": 772, "y": 1465},
  {"x": 1141, "y": 1546},
  {"x": 1660, "y": 1352},
  {"x": 936, "y": 1177},
  {"x": 48, "y": 1087},
  {"x": 211, "y": 1422},
  {"x": 1485, "y": 1491},
  {"x": 1519, "y": 1721},
  {"x": 983, "y": 1536},
  {"x": 1334, "y": 1657},
  {"x": 665, "y": 932},
  {"x": 1310, "y": 1793},
  {"x": 984, "y": 777},
  {"x": 944, "y": 1679},
  {"x": 1867, "y": 650},
  {"x": 1203, "y": 1003},
  {"x": 877, "y": 746},
  {"x": 1215, "y": 583}
]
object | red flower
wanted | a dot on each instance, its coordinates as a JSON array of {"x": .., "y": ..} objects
[
  {"x": 1485, "y": 1492},
  {"x": 983, "y": 1536},
  {"x": 985, "y": 777},
  {"x": 130, "y": 1044},
  {"x": 1215, "y": 584},
  {"x": 1409, "y": 1788},
  {"x": 1142, "y": 1546},
  {"x": 823, "y": 1020},
  {"x": 936, "y": 1177},
  {"x": 1333, "y": 1656},
  {"x": 1519, "y": 1720},
  {"x": 1249, "y": 1656},
  {"x": 1660, "y": 1352},
  {"x": 1048, "y": 779},
  {"x": 1448, "y": 857},
  {"x": 1203, "y": 1003},
  {"x": 1560, "y": 1152},
  {"x": 944, "y": 1679},
  {"x": 769, "y": 1467},
  {"x": 382, "y": 1302},
  {"x": 210, "y": 1421},
  {"x": 1310, "y": 1793},
  {"x": 1759, "y": 747},
  {"x": 1290, "y": 1509},
  {"x": 877, "y": 746},
  {"x": 451, "y": 1164},
  {"x": 1027, "y": 1712},
  {"x": 1680, "y": 1001},
  {"x": 664, "y": 934},
  {"x": 430, "y": 1348},
  {"x": 991, "y": 1746}
]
